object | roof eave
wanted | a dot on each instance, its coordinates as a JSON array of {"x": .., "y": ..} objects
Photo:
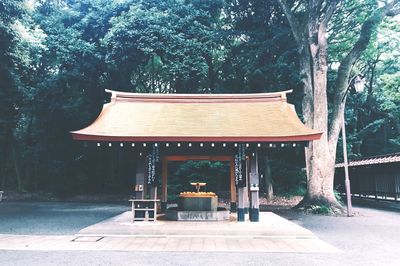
[{"x": 297, "y": 138}]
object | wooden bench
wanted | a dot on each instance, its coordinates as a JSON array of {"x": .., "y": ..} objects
[{"x": 142, "y": 209}]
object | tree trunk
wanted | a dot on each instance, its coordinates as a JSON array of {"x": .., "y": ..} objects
[
  {"x": 268, "y": 178},
  {"x": 17, "y": 167},
  {"x": 321, "y": 168},
  {"x": 3, "y": 164},
  {"x": 3, "y": 171},
  {"x": 320, "y": 160},
  {"x": 210, "y": 72},
  {"x": 35, "y": 175}
]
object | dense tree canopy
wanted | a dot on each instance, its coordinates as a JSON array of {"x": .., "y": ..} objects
[{"x": 58, "y": 56}]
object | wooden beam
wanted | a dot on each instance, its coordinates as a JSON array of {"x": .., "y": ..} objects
[{"x": 199, "y": 158}]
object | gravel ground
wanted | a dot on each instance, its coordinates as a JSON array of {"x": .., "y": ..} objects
[
  {"x": 372, "y": 237},
  {"x": 53, "y": 218}
]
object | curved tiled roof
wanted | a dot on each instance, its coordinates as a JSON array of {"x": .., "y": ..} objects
[
  {"x": 379, "y": 159},
  {"x": 197, "y": 117}
]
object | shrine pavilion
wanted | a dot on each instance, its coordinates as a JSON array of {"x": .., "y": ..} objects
[{"x": 217, "y": 127}]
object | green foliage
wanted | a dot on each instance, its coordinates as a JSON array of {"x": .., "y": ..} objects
[
  {"x": 338, "y": 196},
  {"x": 57, "y": 57},
  {"x": 372, "y": 120},
  {"x": 215, "y": 174},
  {"x": 164, "y": 47},
  {"x": 320, "y": 209},
  {"x": 262, "y": 54},
  {"x": 289, "y": 177}
]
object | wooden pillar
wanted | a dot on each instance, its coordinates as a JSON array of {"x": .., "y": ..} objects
[
  {"x": 254, "y": 181},
  {"x": 164, "y": 186},
  {"x": 396, "y": 181},
  {"x": 242, "y": 197},
  {"x": 241, "y": 204},
  {"x": 139, "y": 179},
  {"x": 246, "y": 191},
  {"x": 233, "y": 187},
  {"x": 396, "y": 186},
  {"x": 359, "y": 182},
  {"x": 153, "y": 192},
  {"x": 375, "y": 185}
]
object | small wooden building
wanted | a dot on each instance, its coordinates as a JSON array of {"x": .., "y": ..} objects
[
  {"x": 375, "y": 177},
  {"x": 215, "y": 127}
]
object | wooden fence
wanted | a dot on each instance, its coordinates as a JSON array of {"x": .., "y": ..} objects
[{"x": 381, "y": 182}]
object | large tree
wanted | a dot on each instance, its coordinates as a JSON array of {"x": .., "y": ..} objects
[
  {"x": 309, "y": 22},
  {"x": 15, "y": 47}
]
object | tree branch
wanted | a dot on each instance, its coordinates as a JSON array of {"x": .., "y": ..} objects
[
  {"x": 294, "y": 25},
  {"x": 392, "y": 9},
  {"x": 330, "y": 10},
  {"x": 343, "y": 75},
  {"x": 393, "y": 12}
]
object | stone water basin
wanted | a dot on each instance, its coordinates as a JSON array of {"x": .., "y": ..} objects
[{"x": 197, "y": 206}]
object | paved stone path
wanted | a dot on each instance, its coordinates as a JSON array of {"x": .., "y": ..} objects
[
  {"x": 272, "y": 234},
  {"x": 270, "y": 225},
  {"x": 132, "y": 243}
]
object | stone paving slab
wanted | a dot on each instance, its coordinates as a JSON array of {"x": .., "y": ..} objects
[
  {"x": 172, "y": 244},
  {"x": 270, "y": 225},
  {"x": 272, "y": 234}
]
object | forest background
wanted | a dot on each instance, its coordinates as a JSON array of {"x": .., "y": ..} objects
[{"x": 58, "y": 56}]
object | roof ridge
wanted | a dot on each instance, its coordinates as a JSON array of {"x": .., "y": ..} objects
[{"x": 281, "y": 95}]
